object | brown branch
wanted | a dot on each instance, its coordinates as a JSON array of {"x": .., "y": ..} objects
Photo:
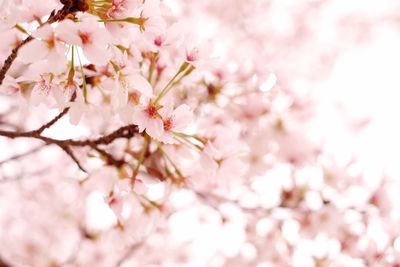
[
  {"x": 4, "y": 264},
  {"x": 71, "y": 154},
  {"x": 110, "y": 160},
  {"x": 10, "y": 59},
  {"x": 127, "y": 131},
  {"x": 55, "y": 119},
  {"x": 123, "y": 132},
  {"x": 70, "y": 7}
]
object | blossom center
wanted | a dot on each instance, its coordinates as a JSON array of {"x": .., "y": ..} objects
[
  {"x": 51, "y": 42},
  {"x": 168, "y": 123},
  {"x": 152, "y": 111},
  {"x": 193, "y": 55},
  {"x": 85, "y": 37},
  {"x": 158, "y": 41},
  {"x": 133, "y": 98}
]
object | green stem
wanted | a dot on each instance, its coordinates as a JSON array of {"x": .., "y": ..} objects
[
  {"x": 178, "y": 172},
  {"x": 186, "y": 141},
  {"x": 19, "y": 27},
  {"x": 166, "y": 89},
  {"x": 84, "y": 79},
  {"x": 140, "y": 160},
  {"x": 152, "y": 66}
]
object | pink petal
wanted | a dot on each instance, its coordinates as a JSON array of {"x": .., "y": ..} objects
[
  {"x": 126, "y": 114},
  {"x": 37, "y": 95},
  {"x": 138, "y": 82},
  {"x": 182, "y": 117},
  {"x": 33, "y": 51},
  {"x": 75, "y": 114},
  {"x": 139, "y": 118},
  {"x": 96, "y": 55},
  {"x": 45, "y": 32},
  {"x": 67, "y": 32},
  {"x": 155, "y": 128}
]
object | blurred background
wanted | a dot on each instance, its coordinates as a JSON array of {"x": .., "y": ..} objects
[{"x": 322, "y": 186}]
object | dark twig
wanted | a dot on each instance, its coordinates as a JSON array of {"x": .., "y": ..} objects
[
  {"x": 4, "y": 264},
  {"x": 70, "y": 7},
  {"x": 110, "y": 160},
  {"x": 71, "y": 154},
  {"x": 56, "y": 118},
  {"x": 10, "y": 59},
  {"x": 129, "y": 253},
  {"x": 123, "y": 132}
]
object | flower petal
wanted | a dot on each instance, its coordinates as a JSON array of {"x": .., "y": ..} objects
[
  {"x": 182, "y": 117},
  {"x": 139, "y": 83},
  {"x": 33, "y": 51},
  {"x": 97, "y": 55}
]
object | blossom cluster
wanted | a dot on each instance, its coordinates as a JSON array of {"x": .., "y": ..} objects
[{"x": 177, "y": 133}]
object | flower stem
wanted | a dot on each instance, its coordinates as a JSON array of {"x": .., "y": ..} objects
[{"x": 168, "y": 87}]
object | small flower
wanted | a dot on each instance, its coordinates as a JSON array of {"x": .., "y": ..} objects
[
  {"x": 147, "y": 118},
  {"x": 63, "y": 94},
  {"x": 89, "y": 35},
  {"x": 197, "y": 54},
  {"x": 174, "y": 121},
  {"x": 172, "y": 36},
  {"x": 42, "y": 89},
  {"x": 44, "y": 46}
]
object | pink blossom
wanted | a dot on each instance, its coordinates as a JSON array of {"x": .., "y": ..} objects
[
  {"x": 45, "y": 46},
  {"x": 87, "y": 34},
  {"x": 197, "y": 54},
  {"x": 147, "y": 118},
  {"x": 174, "y": 121},
  {"x": 42, "y": 89}
]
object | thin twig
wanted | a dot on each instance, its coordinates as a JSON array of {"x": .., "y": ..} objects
[
  {"x": 110, "y": 160},
  {"x": 27, "y": 153},
  {"x": 71, "y": 154},
  {"x": 123, "y": 132},
  {"x": 130, "y": 251},
  {"x": 4, "y": 264},
  {"x": 55, "y": 119},
  {"x": 70, "y": 7}
]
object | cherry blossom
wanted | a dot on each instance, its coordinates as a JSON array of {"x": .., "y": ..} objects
[
  {"x": 87, "y": 34},
  {"x": 46, "y": 47},
  {"x": 199, "y": 133},
  {"x": 174, "y": 121},
  {"x": 148, "y": 118}
]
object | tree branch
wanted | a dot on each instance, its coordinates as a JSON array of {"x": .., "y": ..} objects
[
  {"x": 55, "y": 119},
  {"x": 110, "y": 160},
  {"x": 70, "y": 7},
  {"x": 71, "y": 154},
  {"x": 4, "y": 264},
  {"x": 127, "y": 131}
]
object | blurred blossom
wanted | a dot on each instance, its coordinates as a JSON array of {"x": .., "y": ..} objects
[{"x": 266, "y": 133}]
